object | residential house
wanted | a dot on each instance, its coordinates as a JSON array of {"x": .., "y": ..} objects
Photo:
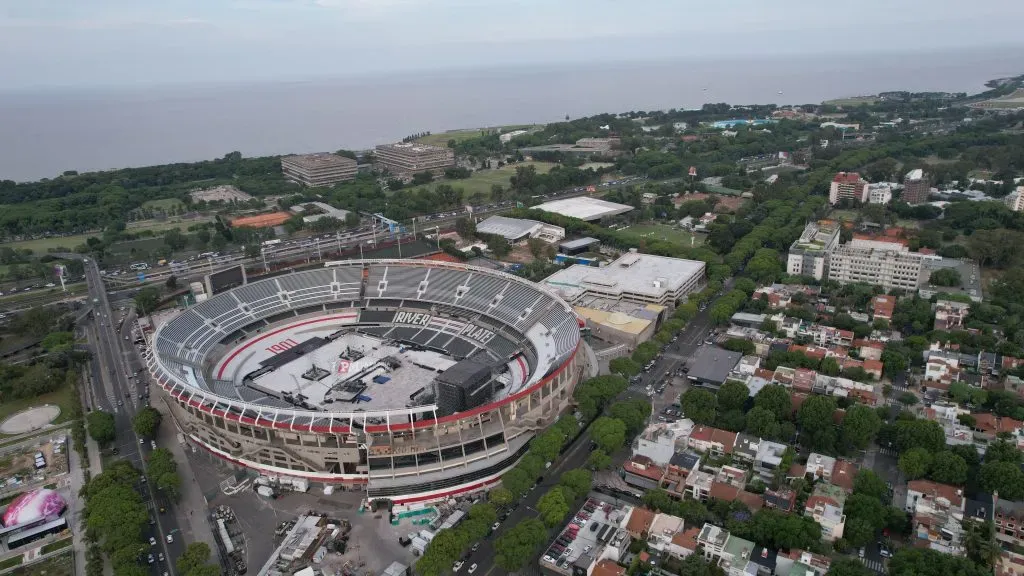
[
  {"x": 608, "y": 567},
  {"x": 828, "y": 514},
  {"x": 765, "y": 559},
  {"x": 820, "y": 466},
  {"x": 684, "y": 543},
  {"x": 883, "y": 306},
  {"x": 735, "y": 559},
  {"x": 1010, "y": 564},
  {"x": 663, "y": 529},
  {"x": 804, "y": 380},
  {"x": 938, "y": 514},
  {"x": 951, "y": 315},
  {"x": 660, "y": 441},
  {"x": 732, "y": 475},
  {"x": 639, "y": 524},
  {"x": 783, "y": 499},
  {"x": 712, "y": 440},
  {"x": 843, "y": 474},
  {"x": 698, "y": 485},
  {"x": 768, "y": 459},
  {"x": 1008, "y": 519},
  {"x": 676, "y": 472},
  {"x": 869, "y": 349},
  {"x": 642, "y": 472},
  {"x": 712, "y": 540},
  {"x": 802, "y": 563}
]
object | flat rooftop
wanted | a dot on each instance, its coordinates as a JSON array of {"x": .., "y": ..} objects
[
  {"x": 632, "y": 272},
  {"x": 584, "y": 208},
  {"x": 510, "y": 228},
  {"x": 970, "y": 277},
  {"x": 319, "y": 160},
  {"x": 712, "y": 364}
]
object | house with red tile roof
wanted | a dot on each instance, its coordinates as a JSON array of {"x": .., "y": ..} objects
[
  {"x": 804, "y": 380},
  {"x": 874, "y": 367},
  {"x": 684, "y": 543},
  {"x": 607, "y": 567},
  {"x": 843, "y": 474},
  {"x": 869, "y": 349},
  {"x": 713, "y": 440},
  {"x": 883, "y": 306},
  {"x": 639, "y": 523}
]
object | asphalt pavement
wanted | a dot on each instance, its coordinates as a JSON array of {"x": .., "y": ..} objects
[{"x": 116, "y": 389}]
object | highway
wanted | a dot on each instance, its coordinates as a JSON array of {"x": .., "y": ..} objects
[
  {"x": 115, "y": 390},
  {"x": 575, "y": 456}
]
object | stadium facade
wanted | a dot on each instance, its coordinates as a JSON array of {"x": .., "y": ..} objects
[{"x": 412, "y": 380}]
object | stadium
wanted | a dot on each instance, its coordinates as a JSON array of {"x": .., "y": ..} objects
[{"x": 413, "y": 380}]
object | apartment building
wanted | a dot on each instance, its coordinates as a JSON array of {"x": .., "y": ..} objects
[
  {"x": 1015, "y": 200},
  {"x": 916, "y": 187},
  {"x": 712, "y": 440},
  {"x": 661, "y": 441},
  {"x": 317, "y": 170},
  {"x": 951, "y": 315},
  {"x": 404, "y": 159},
  {"x": 880, "y": 193},
  {"x": 893, "y": 267},
  {"x": 1008, "y": 518},
  {"x": 663, "y": 529},
  {"x": 828, "y": 514},
  {"x": 848, "y": 186},
  {"x": 809, "y": 254},
  {"x": 938, "y": 515}
]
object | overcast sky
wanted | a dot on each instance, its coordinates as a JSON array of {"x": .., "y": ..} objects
[{"x": 89, "y": 43}]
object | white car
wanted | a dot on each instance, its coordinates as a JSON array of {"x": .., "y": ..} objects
[
  {"x": 152, "y": 541},
  {"x": 471, "y": 569},
  {"x": 170, "y": 538},
  {"x": 457, "y": 566}
]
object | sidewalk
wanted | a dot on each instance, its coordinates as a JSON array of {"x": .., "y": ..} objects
[{"x": 191, "y": 509}]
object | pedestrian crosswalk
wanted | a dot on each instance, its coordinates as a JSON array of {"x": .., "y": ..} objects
[
  {"x": 888, "y": 451},
  {"x": 874, "y": 565}
]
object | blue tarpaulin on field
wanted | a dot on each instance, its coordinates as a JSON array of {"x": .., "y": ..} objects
[{"x": 381, "y": 379}]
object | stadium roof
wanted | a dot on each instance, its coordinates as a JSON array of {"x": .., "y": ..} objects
[
  {"x": 584, "y": 208},
  {"x": 579, "y": 243},
  {"x": 509, "y": 228}
]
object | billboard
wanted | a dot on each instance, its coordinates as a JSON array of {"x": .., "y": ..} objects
[{"x": 225, "y": 280}]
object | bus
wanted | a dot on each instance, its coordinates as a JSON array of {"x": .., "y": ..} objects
[
  {"x": 139, "y": 266},
  {"x": 273, "y": 242}
]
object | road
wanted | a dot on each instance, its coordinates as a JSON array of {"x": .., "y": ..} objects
[
  {"x": 115, "y": 390},
  {"x": 575, "y": 456}
]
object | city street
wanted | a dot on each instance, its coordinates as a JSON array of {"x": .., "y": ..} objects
[{"x": 115, "y": 390}]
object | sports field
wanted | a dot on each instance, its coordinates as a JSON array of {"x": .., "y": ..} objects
[
  {"x": 852, "y": 101},
  {"x": 41, "y": 246},
  {"x": 662, "y": 232},
  {"x": 482, "y": 180},
  {"x": 163, "y": 204}
]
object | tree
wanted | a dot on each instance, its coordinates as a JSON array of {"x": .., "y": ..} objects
[
  {"x": 919, "y": 434},
  {"x": 775, "y": 398},
  {"x": 740, "y": 345},
  {"x": 465, "y": 228},
  {"x": 625, "y": 366},
  {"x": 860, "y": 425},
  {"x": 915, "y": 463},
  {"x": 981, "y": 544},
  {"x": 608, "y": 433},
  {"x": 699, "y": 405},
  {"x": 696, "y": 565},
  {"x": 1002, "y": 451},
  {"x": 146, "y": 421},
  {"x": 501, "y": 496},
  {"x": 146, "y": 300},
  {"x": 732, "y": 395},
  {"x": 536, "y": 246},
  {"x": 830, "y": 367},
  {"x": 945, "y": 277},
  {"x": 598, "y": 460},
  {"x": 553, "y": 507},
  {"x": 762, "y": 423},
  {"x": 515, "y": 547},
  {"x": 576, "y": 481},
  {"x": 908, "y": 398},
  {"x": 633, "y": 414},
  {"x": 869, "y": 484},
  {"x": 866, "y": 515},
  {"x": 815, "y": 414},
  {"x": 172, "y": 282},
  {"x": 848, "y": 567},
  {"x": 913, "y": 561},
  {"x": 1006, "y": 478},
  {"x": 195, "y": 556},
  {"x": 101, "y": 426},
  {"x": 948, "y": 468}
]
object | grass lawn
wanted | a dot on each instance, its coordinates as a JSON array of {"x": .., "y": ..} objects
[
  {"x": 160, "y": 226},
  {"x": 64, "y": 397},
  {"x": 482, "y": 180},
  {"x": 163, "y": 204},
  {"x": 60, "y": 565},
  {"x": 442, "y": 138},
  {"x": 44, "y": 296},
  {"x": 854, "y": 101},
  {"x": 54, "y": 546},
  {"x": 12, "y": 561},
  {"x": 42, "y": 246},
  {"x": 662, "y": 232},
  {"x": 843, "y": 215}
]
